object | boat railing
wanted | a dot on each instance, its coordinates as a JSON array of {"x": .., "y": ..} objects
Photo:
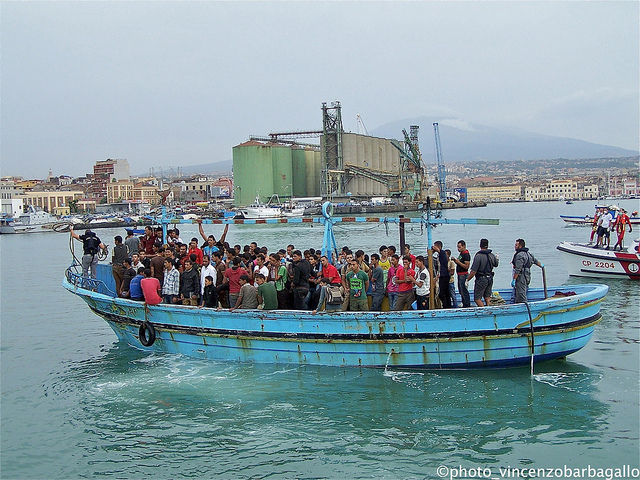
[{"x": 75, "y": 277}]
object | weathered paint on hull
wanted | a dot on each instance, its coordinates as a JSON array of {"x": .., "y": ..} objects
[
  {"x": 445, "y": 353},
  {"x": 457, "y": 338}
]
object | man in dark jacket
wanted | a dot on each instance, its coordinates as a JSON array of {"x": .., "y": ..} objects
[
  {"x": 91, "y": 244},
  {"x": 117, "y": 266},
  {"x": 189, "y": 284},
  {"x": 482, "y": 268},
  {"x": 443, "y": 275},
  {"x": 300, "y": 280},
  {"x": 522, "y": 262},
  {"x": 128, "y": 275}
]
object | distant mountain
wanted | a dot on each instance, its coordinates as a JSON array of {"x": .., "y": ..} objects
[
  {"x": 220, "y": 168},
  {"x": 463, "y": 142}
]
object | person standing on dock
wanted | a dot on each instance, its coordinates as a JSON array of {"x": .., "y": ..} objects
[
  {"x": 462, "y": 269},
  {"x": 91, "y": 245},
  {"x": 522, "y": 262},
  {"x": 482, "y": 267}
]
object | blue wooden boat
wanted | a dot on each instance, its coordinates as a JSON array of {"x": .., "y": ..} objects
[{"x": 494, "y": 336}]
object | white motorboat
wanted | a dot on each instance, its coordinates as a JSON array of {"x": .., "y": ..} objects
[
  {"x": 587, "y": 220},
  {"x": 34, "y": 220},
  {"x": 260, "y": 210},
  {"x": 292, "y": 211},
  {"x": 587, "y": 261}
]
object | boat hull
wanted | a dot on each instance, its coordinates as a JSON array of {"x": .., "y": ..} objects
[
  {"x": 586, "y": 261},
  {"x": 12, "y": 228},
  {"x": 588, "y": 220},
  {"x": 495, "y": 336}
]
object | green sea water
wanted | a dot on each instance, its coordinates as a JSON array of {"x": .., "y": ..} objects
[{"x": 76, "y": 403}]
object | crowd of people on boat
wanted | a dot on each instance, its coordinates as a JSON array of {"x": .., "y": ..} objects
[
  {"x": 211, "y": 273},
  {"x": 606, "y": 221}
]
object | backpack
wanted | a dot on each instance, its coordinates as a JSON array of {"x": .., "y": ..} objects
[
  {"x": 334, "y": 295},
  {"x": 91, "y": 244}
]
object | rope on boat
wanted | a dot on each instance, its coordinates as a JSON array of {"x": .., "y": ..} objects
[{"x": 532, "y": 336}]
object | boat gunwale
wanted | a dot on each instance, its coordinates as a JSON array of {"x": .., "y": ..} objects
[{"x": 633, "y": 258}]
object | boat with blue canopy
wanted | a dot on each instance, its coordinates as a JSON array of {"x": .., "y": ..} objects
[{"x": 544, "y": 328}]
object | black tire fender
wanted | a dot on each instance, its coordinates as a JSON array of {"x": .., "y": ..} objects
[{"x": 147, "y": 334}]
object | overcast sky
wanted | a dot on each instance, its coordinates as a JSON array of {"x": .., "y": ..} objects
[{"x": 163, "y": 83}]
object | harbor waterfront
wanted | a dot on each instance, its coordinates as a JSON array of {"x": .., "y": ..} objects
[{"x": 75, "y": 402}]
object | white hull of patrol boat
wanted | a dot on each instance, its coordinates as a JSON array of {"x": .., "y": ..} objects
[{"x": 586, "y": 261}]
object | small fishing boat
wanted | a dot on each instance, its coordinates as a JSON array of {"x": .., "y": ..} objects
[
  {"x": 260, "y": 210},
  {"x": 494, "y": 336},
  {"x": 585, "y": 260}
]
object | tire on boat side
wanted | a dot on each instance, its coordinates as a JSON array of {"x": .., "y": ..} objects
[{"x": 147, "y": 334}]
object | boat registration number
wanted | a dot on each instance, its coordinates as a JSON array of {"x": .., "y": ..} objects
[{"x": 587, "y": 263}]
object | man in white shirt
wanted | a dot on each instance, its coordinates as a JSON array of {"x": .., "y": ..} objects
[
  {"x": 207, "y": 270},
  {"x": 260, "y": 267},
  {"x": 604, "y": 224},
  {"x": 135, "y": 262},
  {"x": 422, "y": 284}
]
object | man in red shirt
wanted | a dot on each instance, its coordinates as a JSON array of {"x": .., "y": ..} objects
[
  {"x": 405, "y": 277},
  {"x": 150, "y": 287},
  {"x": 330, "y": 272},
  {"x": 147, "y": 242},
  {"x": 232, "y": 277},
  {"x": 193, "y": 248},
  {"x": 407, "y": 252}
]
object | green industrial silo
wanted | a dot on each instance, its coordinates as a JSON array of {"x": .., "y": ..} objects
[
  {"x": 313, "y": 160},
  {"x": 253, "y": 169},
  {"x": 299, "y": 168},
  {"x": 282, "y": 171}
]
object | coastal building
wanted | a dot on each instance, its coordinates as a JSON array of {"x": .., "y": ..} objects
[
  {"x": 50, "y": 200},
  {"x": 623, "y": 186},
  {"x": 130, "y": 191},
  {"x": 561, "y": 190},
  {"x": 495, "y": 193},
  {"x": 11, "y": 198},
  {"x": 104, "y": 172}
]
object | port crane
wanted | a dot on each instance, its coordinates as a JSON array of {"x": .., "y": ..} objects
[{"x": 442, "y": 184}]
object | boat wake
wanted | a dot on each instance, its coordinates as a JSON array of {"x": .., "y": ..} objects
[{"x": 572, "y": 381}]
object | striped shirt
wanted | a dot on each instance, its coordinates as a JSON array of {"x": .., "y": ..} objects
[{"x": 171, "y": 284}]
